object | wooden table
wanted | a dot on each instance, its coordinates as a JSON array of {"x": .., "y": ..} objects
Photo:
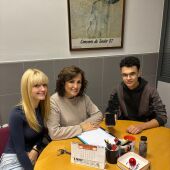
[{"x": 158, "y": 149}]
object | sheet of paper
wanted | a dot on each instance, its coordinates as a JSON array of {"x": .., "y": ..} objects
[{"x": 96, "y": 137}]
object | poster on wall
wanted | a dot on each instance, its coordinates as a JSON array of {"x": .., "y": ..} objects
[{"x": 95, "y": 24}]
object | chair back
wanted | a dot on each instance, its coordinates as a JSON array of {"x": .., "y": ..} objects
[{"x": 4, "y": 134}]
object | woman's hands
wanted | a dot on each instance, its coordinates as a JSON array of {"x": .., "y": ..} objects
[
  {"x": 86, "y": 126},
  {"x": 33, "y": 155}
]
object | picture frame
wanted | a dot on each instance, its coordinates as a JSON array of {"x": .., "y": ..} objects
[{"x": 95, "y": 24}]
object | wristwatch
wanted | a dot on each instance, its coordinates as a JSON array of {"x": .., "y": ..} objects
[{"x": 36, "y": 148}]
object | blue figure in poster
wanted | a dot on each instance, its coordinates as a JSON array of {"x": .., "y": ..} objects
[{"x": 99, "y": 26}]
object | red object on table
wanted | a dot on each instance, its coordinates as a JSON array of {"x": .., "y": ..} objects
[
  {"x": 132, "y": 161},
  {"x": 129, "y": 137}
]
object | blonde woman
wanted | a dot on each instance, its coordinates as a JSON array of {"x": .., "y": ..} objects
[{"x": 26, "y": 123}]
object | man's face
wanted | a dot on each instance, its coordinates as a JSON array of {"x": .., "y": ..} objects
[{"x": 130, "y": 76}]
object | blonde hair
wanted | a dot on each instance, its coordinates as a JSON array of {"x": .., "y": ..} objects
[{"x": 30, "y": 78}]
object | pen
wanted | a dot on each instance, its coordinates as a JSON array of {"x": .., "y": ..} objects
[
  {"x": 114, "y": 147},
  {"x": 108, "y": 145},
  {"x": 128, "y": 142},
  {"x": 117, "y": 141}
]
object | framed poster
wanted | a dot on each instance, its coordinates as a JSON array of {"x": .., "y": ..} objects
[{"x": 95, "y": 24}]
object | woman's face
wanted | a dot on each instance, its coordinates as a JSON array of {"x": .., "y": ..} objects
[
  {"x": 39, "y": 92},
  {"x": 73, "y": 86}
]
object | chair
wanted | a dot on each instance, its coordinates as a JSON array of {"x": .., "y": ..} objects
[{"x": 4, "y": 134}]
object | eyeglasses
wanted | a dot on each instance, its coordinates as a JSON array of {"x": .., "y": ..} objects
[{"x": 131, "y": 75}]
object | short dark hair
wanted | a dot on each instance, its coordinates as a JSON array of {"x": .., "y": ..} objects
[
  {"x": 67, "y": 74},
  {"x": 130, "y": 61}
]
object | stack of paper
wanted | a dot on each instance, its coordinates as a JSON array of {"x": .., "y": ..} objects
[{"x": 96, "y": 137}]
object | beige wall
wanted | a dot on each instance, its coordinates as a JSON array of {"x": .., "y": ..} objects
[{"x": 38, "y": 29}]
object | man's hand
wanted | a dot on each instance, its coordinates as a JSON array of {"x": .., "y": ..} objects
[{"x": 135, "y": 129}]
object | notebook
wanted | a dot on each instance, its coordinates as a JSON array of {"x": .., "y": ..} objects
[{"x": 96, "y": 137}]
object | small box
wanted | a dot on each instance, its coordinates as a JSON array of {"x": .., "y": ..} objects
[{"x": 141, "y": 163}]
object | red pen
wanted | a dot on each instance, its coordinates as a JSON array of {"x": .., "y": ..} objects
[
  {"x": 114, "y": 147},
  {"x": 117, "y": 141}
]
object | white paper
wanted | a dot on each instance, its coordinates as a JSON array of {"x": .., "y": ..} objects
[{"x": 96, "y": 137}]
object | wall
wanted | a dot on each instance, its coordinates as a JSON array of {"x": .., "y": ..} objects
[
  {"x": 36, "y": 29},
  {"x": 34, "y": 33},
  {"x": 163, "y": 89},
  {"x": 102, "y": 74}
]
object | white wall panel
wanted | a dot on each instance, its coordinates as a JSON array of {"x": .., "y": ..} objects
[{"x": 38, "y": 29}]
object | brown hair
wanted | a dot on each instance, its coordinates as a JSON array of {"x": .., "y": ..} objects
[
  {"x": 67, "y": 74},
  {"x": 130, "y": 61}
]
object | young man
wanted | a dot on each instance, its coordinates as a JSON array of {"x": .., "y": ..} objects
[{"x": 135, "y": 99}]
